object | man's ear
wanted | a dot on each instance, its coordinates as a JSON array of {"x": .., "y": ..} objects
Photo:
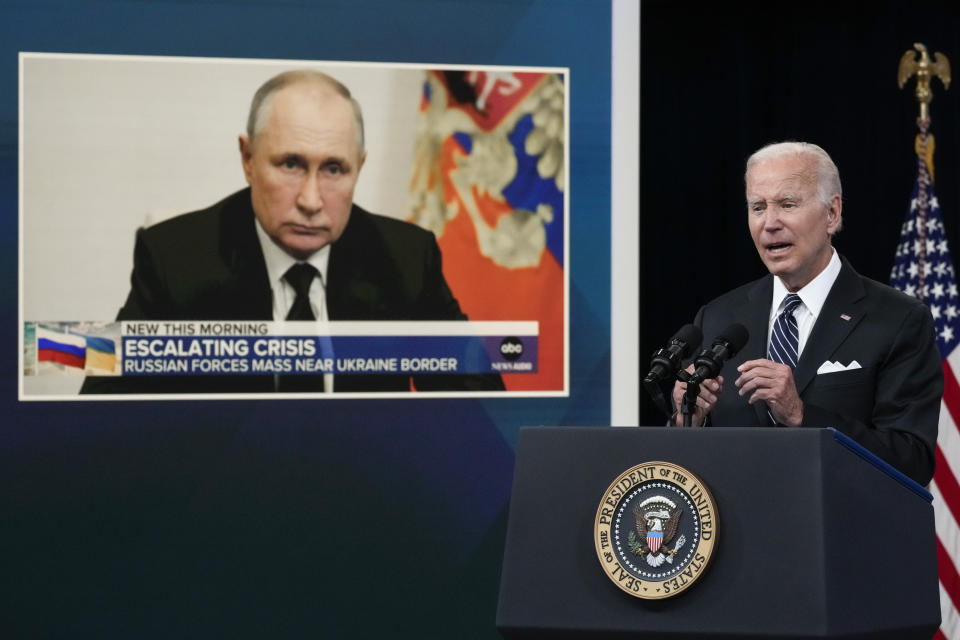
[
  {"x": 834, "y": 214},
  {"x": 246, "y": 156},
  {"x": 363, "y": 159}
]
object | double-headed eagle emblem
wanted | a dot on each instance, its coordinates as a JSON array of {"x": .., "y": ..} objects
[{"x": 657, "y": 519}]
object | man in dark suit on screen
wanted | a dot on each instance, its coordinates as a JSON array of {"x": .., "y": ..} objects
[
  {"x": 827, "y": 347},
  {"x": 291, "y": 246}
]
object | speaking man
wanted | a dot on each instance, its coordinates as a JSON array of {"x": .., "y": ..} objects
[
  {"x": 292, "y": 246},
  {"x": 827, "y": 347}
]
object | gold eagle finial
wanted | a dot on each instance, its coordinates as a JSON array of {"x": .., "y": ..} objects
[{"x": 924, "y": 69}]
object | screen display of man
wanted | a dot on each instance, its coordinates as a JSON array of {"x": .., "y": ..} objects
[
  {"x": 292, "y": 246},
  {"x": 827, "y": 347}
]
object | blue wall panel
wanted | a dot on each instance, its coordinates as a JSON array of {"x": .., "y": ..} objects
[{"x": 255, "y": 518}]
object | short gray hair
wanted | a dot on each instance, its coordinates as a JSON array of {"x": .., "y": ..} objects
[
  {"x": 828, "y": 177},
  {"x": 263, "y": 97}
]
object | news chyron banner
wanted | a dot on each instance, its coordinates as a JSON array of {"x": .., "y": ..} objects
[{"x": 250, "y": 348}]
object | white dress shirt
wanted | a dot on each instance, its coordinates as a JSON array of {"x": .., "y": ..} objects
[
  {"x": 278, "y": 262},
  {"x": 812, "y": 297}
]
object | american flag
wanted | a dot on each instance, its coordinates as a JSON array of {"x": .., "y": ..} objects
[{"x": 923, "y": 269}]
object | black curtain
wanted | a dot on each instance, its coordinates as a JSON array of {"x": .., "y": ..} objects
[{"x": 719, "y": 80}]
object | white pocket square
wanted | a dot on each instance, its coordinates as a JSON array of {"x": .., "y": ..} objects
[{"x": 834, "y": 367}]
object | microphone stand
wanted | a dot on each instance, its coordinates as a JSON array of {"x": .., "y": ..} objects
[{"x": 689, "y": 404}]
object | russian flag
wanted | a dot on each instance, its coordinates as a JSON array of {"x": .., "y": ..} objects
[{"x": 61, "y": 348}]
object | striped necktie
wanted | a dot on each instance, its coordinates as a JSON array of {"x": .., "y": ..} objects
[{"x": 785, "y": 337}]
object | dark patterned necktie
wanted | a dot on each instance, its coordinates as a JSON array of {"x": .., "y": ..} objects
[
  {"x": 300, "y": 276},
  {"x": 785, "y": 337}
]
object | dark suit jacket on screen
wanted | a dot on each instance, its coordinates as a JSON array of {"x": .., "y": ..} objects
[
  {"x": 890, "y": 405},
  {"x": 208, "y": 265}
]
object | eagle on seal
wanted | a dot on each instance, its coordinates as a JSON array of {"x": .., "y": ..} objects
[{"x": 656, "y": 527}]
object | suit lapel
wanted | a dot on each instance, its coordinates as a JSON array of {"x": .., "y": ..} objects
[
  {"x": 343, "y": 273},
  {"x": 760, "y": 298},
  {"x": 841, "y": 312},
  {"x": 362, "y": 283},
  {"x": 249, "y": 295}
]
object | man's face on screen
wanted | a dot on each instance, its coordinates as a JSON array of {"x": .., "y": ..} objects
[
  {"x": 790, "y": 225},
  {"x": 302, "y": 167}
]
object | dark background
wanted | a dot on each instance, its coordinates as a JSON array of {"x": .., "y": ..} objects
[{"x": 720, "y": 80}]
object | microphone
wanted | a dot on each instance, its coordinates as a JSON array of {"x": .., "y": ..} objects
[
  {"x": 665, "y": 362},
  {"x": 725, "y": 346}
]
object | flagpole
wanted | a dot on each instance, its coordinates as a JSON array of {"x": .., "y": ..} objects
[
  {"x": 924, "y": 145},
  {"x": 923, "y": 268}
]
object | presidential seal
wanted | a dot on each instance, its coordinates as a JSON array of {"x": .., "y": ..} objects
[{"x": 655, "y": 530}]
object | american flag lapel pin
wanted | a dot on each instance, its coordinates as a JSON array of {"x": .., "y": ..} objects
[{"x": 845, "y": 317}]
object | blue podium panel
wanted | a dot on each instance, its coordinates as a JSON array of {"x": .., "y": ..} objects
[{"x": 814, "y": 540}]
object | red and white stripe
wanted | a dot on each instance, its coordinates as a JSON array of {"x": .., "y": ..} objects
[{"x": 945, "y": 488}]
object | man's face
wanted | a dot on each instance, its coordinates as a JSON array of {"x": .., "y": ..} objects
[
  {"x": 302, "y": 167},
  {"x": 790, "y": 226}
]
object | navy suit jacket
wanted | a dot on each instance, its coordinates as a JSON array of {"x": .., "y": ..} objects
[
  {"x": 208, "y": 265},
  {"x": 891, "y": 405}
]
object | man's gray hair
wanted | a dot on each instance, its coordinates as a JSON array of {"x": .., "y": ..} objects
[
  {"x": 264, "y": 96},
  {"x": 828, "y": 177}
]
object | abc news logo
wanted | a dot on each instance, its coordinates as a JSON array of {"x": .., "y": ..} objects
[{"x": 511, "y": 348}]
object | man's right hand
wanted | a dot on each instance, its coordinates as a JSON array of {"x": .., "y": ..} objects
[{"x": 710, "y": 390}]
